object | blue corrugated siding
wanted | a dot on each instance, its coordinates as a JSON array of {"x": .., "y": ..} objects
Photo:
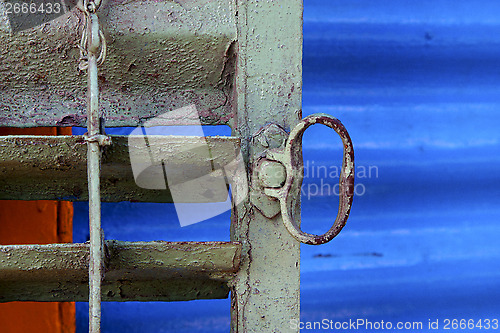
[{"x": 417, "y": 84}]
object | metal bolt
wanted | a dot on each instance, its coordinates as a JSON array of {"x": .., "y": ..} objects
[
  {"x": 272, "y": 174},
  {"x": 270, "y": 136}
]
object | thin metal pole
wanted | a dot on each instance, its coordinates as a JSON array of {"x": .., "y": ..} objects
[{"x": 94, "y": 173}]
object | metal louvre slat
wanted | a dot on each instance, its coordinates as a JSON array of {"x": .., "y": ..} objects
[
  {"x": 135, "y": 271},
  {"x": 48, "y": 168}
]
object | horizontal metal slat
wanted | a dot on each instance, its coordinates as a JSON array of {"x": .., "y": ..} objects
[
  {"x": 138, "y": 271},
  {"x": 55, "y": 168},
  {"x": 161, "y": 56}
]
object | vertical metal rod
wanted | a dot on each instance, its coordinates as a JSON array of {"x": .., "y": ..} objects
[{"x": 93, "y": 174}]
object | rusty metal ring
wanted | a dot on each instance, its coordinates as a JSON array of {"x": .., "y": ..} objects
[{"x": 291, "y": 158}]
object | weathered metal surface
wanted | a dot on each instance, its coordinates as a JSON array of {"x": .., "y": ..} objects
[
  {"x": 33, "y": 168},
  {"x": 139, "y": 271},
  {"x": 270, "y": 136},
  {"x": 93, "y": 36},
  {"x": 272, "y": 174},
  {"x": 290, "y": 157},
  {"x": 161, "y": 56},
  {"x": 266, "y": 292}
]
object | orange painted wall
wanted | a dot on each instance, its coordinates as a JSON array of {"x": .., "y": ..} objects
[{"x": 36, "y": 222}]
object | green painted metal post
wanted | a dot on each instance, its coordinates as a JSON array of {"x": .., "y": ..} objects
[{"x": 266, "y": 291}]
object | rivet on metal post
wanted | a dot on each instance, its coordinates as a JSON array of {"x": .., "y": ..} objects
[{"x": 93, "y": 41}]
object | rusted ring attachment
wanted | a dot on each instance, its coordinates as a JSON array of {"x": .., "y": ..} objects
[{"x": 291, "y": 158}]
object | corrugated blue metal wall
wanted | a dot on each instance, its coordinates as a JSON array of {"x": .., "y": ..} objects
[{"x": 417, "y": 84}]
